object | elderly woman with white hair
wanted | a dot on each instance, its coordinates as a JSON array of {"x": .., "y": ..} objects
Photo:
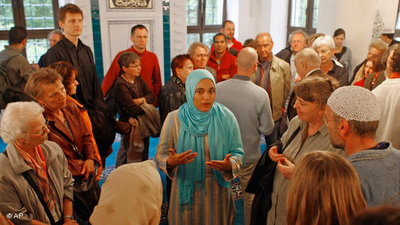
[
  {"x": 325, "y": 47},
  {"x": 36, "y": 186}
]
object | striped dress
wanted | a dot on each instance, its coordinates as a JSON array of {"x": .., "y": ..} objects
[{"x": 211, "y": 205}]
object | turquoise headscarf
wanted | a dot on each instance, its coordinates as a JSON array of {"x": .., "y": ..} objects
[{"x": 223, "y": 137}]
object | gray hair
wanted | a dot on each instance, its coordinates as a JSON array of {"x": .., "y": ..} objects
[
  {"x": 324, "y": 40},
  {"x": 299, "y": 31},
  {"x": 56, "y": 31},
  {"x": 196, "y": 45},
  {"x": 310, "y": 56},
  {"x": 262, "y": 34},
  {"x": 127, "y": 58},
  {"x": 379, "y": 44},
  {"x": 15, "y": 119}
]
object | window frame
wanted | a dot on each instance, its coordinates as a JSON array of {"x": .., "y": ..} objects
[
  {"x": 397, "y": 31},
  {"x": 309, "y": 20},
  {"x": 201, "y": 27},
  {"x": 19, "y": 20}
]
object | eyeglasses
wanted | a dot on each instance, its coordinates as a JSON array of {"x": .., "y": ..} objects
[
  {"x": 43, "y": 130},
  {"x": 297, "y": 41},
  {"x": 201, "y": 56},
  {"x": 135, "y": 66}
]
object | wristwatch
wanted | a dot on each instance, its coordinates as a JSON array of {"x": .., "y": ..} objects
[{"x": 69, "y": 217}]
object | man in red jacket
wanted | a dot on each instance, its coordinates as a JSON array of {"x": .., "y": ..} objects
[
  {"x": 150, "y": 69},
  {"x": 234, "y": 46},
  {"x": 220, "y": 59}
]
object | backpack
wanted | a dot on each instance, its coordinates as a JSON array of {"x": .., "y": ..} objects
[
  {"x": 4, "y": 82},
  {"x": 8, "y": 91}
]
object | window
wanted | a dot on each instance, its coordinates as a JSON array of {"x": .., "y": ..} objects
[
  {"x": 38, "y": 16},
  {"x": 303, "y": 14},
  {"x": 204, "y": 20}
]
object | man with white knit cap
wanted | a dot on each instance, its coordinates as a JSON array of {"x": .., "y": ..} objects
[{"x": 352, "y": 117}]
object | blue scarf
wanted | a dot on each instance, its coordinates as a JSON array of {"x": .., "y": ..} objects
[{"x": 222, "y": 129}]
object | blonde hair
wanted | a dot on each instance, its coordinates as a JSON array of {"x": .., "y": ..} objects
[
  {"x": 379, "y": 44},
  {"x": 312, "y": 38},
  {"x": 34, "y": 84},
  {"x": 196, "y": 45},
  {"x": 324, "y": 190}
]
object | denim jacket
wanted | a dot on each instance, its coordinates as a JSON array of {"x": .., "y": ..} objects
[{"x": 379, "y": 173}]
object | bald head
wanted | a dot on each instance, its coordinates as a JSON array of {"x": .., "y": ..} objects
[
  {"x": 263, "y": 35},
  {"x": 310, "y": 56},
  {"x": 307, "y": 60},
  {"x": 247, "y": 61}
]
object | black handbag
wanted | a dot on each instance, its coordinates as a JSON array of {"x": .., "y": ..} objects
[
  {"x": 261, "y": 184},
  {"x": 86, "y": 192},
  {"x": 86, "y": 197}
]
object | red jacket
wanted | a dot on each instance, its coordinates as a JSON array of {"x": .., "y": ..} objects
[
  {"x": 226, "y": 66},
  {"x": 150, "y": 72},
  {"x": 235, "y": 48},
  {"x": 78, "y": 133}
]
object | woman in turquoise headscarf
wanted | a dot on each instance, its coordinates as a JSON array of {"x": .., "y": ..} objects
[{"x": 200, "y": 149}]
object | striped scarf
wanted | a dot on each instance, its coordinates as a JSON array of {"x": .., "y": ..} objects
[{"x": 38, "y": 164}]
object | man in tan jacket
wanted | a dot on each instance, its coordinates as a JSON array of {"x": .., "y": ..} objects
[{"x": 273, "y": 74}]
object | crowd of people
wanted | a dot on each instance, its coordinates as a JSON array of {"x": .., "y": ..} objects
[{"x": 331, "y": 131}]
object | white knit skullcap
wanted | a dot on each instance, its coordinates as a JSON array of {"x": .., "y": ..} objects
[{"x": 355, "y": 103}]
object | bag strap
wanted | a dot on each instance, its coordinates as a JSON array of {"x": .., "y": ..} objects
[
  {"x": 291, "y": 138},
  {"x": 38, "y": 193},
  {"x": 40, "y": 196}
]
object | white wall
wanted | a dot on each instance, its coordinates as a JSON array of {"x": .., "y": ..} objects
[
  {"x": 278, "y": 24},
  {"x": 247, "y": 20},
  {"x": 254, "y": 16},
  {"x": 178, "y": 30},
  {"x": 358, "y": 24}
]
